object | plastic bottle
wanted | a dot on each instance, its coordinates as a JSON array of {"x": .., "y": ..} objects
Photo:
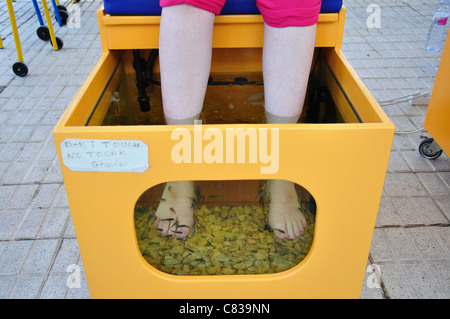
[
  {"x": 437, "y": 32},
  {"x": 115, "y": 103}
]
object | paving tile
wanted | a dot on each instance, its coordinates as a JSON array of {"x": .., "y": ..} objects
[
  {"x": 70, "y": 229},
  {"x": 411, "y": 184},
  {"x": 9, "y": 91},
  {"x": 443, "y": 236},
  {"x": 417, "y": 162},
  {"x": 10, "y": 151},
  {"x": 395, "y": 282},
  {"x": 392, "y": 110},
  {"x": 4, "y": 115},
  {"x": 387, "y": 214},
  {"x": 6, "y": 192},
  {"x": 444, "y": 204},
  {"x": 68, "y": 254},
  {"x": 45, "y": 195},
  {"x": 414, "y": 110},
  {"x": 37, "y": 172},
  {"x": 401, "y": 245},
  {"x": 379, "y": 249},
  {"x": 422, "y": 281},
  {"x": 55, "y": 287},
  {"x": 3, "y": 168},
  {"x": 434, "y": 184},
  {"x": 22, "y": 91},
  {"x": 61, "y": 198},
  {"x": 439, "y": 270},
  {"x": 34, "y": 120},
  {"x": 42, "y": 133},
  {"x": 442, "y": 163},
  {"x": 9, "y": 220},
  {"x": 22, "y": 133},
  {"x": 40, "y": 258},
  {"x": 54, "y": 223},
  {"x": 432, "y": 213},
  {"x": 54, "y": 174},
  {"x": 427, "y": 244},
  {"x": 6, "y": 284},
  {"x": 22, "y": 197},
  {"x": 397, "y": 163},
  {"x": 14, "y": 256},
  {"x": 392, "y": 185},
  {"x": 29, "y": 152},
  {"x": 46, "y": 102},
  {"x": 7, "y": 132},
  {"x": 30, "y": 224},
  {"x": 27, "y": 287},
  {"x": 403, "y": 124},
  {"x": 445, "y": 176},
  {"x": 418, "y": 211},
  {"x": 15, "y": 173},
  {"x": 48, "y": 151},
  {"x": 51, "y": 117},
  {"x": 3, "y": 246},
  {"x": 404, "y": 143},
  {"x": 13, "y": 105}
]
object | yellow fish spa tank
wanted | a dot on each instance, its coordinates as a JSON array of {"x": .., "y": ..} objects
[{"x": 117, "y": 156}]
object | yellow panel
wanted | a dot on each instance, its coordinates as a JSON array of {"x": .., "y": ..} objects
[
  {"x": 347, "y": 195},
  {"x": 437, "y": 120},
  {"x": 365, "y": 104},
  {"x": 91, "y": 90},
  {"x": 230, "y": 31}
]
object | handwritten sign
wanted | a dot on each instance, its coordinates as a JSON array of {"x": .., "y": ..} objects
[{"x": 86, "y": 155}]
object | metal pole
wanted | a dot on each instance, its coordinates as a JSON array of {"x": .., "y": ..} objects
[
  {"x": 49, "y": 23},
  {"x": 12, "y": 18}
]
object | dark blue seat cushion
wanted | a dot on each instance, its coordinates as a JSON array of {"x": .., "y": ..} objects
[{"x": 151, "y": 7}]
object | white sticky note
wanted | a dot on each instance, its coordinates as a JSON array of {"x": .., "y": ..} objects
[{"x": 88, "y": 155}]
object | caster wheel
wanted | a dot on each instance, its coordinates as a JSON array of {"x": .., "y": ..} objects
[
  {"x": 59, "y": 43},
  {"x": 61, "y": 8},
  {"x": 20, "y": 69},
  {"x": 428, "y": 152},
  {"x": 43, "y": 33},
  {"x": 64, "y": 16}
]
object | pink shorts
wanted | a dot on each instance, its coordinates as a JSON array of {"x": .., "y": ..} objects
[{"x": 276, "y": 13}]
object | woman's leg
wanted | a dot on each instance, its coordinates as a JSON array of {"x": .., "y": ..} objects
[
  {"x": 185, "y": 47},
  {"x": 287, "y": 56}
]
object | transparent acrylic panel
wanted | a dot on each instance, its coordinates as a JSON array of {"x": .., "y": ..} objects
[
  {"x": 230, "y": 235},
  {"x": 236, "y": 97}
]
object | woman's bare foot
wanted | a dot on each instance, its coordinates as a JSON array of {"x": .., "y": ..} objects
[
  {"x": 175, "y": 213},
  {"x": 285, "y": 216}
]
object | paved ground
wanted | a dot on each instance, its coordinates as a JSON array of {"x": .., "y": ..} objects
[{"x": 38, "y": 245}]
